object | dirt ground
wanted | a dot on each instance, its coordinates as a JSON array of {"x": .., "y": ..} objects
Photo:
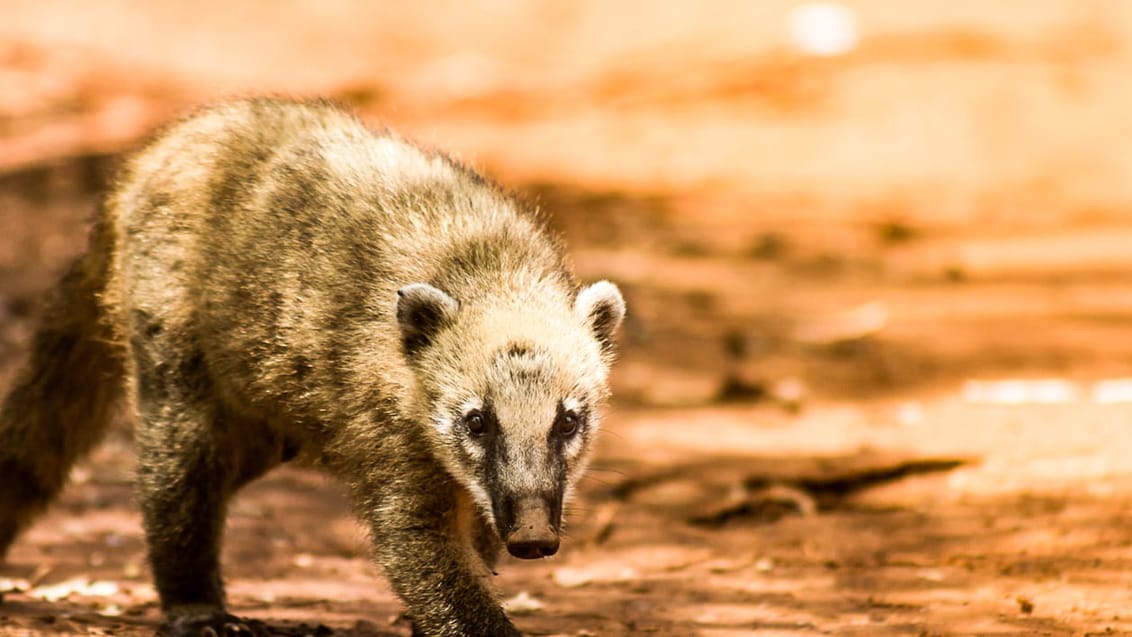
[{"x": 874, "y": 377}]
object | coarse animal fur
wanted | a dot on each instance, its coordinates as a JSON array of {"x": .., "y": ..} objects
[{"x": 271, "y": 281}]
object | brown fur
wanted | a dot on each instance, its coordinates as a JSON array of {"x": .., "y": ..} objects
[
  {"x": 73, "y": 374},
  {"x": 273, "y": 281}
]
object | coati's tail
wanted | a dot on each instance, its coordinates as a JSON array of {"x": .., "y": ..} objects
[{"x": 63, "y": 399}]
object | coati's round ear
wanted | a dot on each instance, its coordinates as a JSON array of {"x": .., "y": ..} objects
[
  {"x": 422, "y": 311},
  {"x": 602, "y": 308}
]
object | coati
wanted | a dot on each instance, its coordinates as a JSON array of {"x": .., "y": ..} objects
[{"x": 271, "y": 281}]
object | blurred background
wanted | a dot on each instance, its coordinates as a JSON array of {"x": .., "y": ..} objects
[{"x": 875, "y": 374}]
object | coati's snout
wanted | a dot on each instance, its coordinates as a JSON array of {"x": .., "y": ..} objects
[{"x": 529, "y": 527}]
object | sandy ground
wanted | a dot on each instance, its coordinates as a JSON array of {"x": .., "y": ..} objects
[{"x": 833, "y": 265}]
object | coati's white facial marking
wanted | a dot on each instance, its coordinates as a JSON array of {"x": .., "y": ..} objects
[
  {"x": 481, "y": 497},
  {"x": 574, "y": 444},
  {"x": 470, "y": 414},
  {"x": 572, "y": 404}
]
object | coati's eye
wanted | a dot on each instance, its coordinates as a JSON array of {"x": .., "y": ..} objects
[
  {"x": 568, "y": 423},
  {"x": 475, "y": 423}
]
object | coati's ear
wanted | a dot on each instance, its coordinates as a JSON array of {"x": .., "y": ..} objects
[
  {"x": 602, "y": 308},
  {"x": 422, "y": 311}
]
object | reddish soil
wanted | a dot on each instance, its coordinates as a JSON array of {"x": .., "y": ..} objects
[{"x": 831, "y": 263}]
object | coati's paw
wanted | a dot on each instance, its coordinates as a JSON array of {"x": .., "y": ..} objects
[
  {"x": 509, "y": 631},
  {"x": 215, "y": 626}
]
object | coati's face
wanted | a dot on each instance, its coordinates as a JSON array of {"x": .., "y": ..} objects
[{"x": 513, "y": 397}]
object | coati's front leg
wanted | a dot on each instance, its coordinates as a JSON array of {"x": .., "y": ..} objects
[
  {"x": 184, "y": 492},
  {"x": 485, "y": 542},
  {"x": 431, "y": 554},
  {"x": 189, "y": 466}
]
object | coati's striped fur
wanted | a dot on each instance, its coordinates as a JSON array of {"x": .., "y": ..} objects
[{"x": 271, "y": 281}]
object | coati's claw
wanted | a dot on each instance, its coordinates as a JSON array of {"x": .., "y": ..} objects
[
  {"x": 215, "y": 626},
  {"x": 236, "y": 629}
]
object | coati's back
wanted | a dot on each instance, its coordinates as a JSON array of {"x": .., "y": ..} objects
[{"x": 276, "y": 234}]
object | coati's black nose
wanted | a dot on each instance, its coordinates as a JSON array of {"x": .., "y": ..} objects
[
  {"x": 533, "y": 549},
  {"x": 532, "y": 535}
]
